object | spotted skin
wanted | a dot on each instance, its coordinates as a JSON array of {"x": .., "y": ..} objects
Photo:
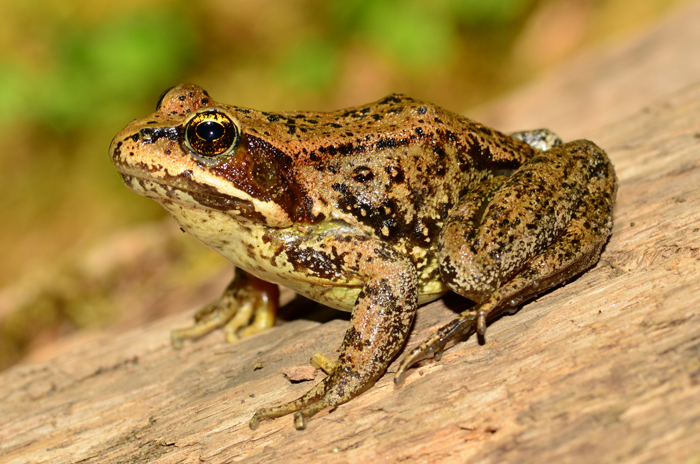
[{"x": 375, "y": 210}]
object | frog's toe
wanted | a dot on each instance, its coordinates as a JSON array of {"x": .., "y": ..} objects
[
  {"x": 300, "y": 407},
  {"x": 320, "y": 361},
  {"x": 306, "y": 406},
  {"x": 247, "y": 306},
  {"x": 264, "y": 414},
  {"x": 207, "y": 319},
  {"x": 240, "y": 326},
  {"x": 434, "y": 345},
  {"x": 310, "y": 410},
  {"x": 300, "y": 416}
]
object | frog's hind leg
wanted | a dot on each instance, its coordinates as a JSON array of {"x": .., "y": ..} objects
[{"x": 568, "y": 252}]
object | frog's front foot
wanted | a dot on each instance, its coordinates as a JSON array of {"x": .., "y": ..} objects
[
  {"x": 301, "y": 411},
  {"x": 248, "y": 306},
  {"x": 319, "y": 361},
  {"x": 467, "y": 323},
  {"x": 340, "y": 386}
]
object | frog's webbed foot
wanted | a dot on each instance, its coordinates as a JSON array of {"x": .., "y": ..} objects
[
  {"x": 248, "y": 306},
  {"x": 466, "y": 324}
]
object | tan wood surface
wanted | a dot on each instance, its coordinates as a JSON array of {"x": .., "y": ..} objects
[{"x": 603, "y": 369}]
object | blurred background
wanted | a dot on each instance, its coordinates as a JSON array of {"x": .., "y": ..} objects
[{"x": 79, "y": 252}]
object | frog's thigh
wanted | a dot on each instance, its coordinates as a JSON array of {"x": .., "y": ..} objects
[
  {"x": 483, "y": 246},
  {"x": 575, "y": 249},
  {"x": 380, "y": 321}
]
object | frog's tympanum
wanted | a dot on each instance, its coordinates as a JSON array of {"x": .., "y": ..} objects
[{"x": 374, "y": 210}]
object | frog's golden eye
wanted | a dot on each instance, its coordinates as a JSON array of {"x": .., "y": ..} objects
[{"x": 210, "y": 133}]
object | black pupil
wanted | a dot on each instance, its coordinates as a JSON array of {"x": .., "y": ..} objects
[{"x": 210, "y": 131}]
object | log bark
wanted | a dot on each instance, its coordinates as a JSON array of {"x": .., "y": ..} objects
[{"x": 603, "y": 369}]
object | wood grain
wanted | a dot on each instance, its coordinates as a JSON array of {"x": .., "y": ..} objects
[{"x": 603, "y": 369}]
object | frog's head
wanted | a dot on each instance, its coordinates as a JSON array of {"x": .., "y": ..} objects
[{"x": 197, "y": 153}]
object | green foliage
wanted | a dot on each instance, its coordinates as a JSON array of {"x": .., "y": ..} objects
[
  {"x": 311, "y": 65},
  {"x": 415, "y": 33},
  {"x": 494, "y": 13},
  {"x": 96, "y": 70},
  {"x": 421, "y": 34}
]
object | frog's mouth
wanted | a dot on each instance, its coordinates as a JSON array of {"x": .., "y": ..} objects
[{"x": 184, "y": 191}]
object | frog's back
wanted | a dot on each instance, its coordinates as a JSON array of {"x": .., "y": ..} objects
[
  {"x": 394, "y": 167},
  {"x": 393, "y": 123}
]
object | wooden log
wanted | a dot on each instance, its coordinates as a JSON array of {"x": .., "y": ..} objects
[{"x": 603, "y": 369}]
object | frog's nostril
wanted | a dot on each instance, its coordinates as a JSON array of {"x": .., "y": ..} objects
[
  {"x": 151, "y": 134},
  {"x": 145, "y": 134}
]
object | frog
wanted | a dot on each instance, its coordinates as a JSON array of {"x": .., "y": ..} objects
[{"x": 377, "y": 210}]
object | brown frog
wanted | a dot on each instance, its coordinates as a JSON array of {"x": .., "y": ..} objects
[{"x": 375, "y": 210}]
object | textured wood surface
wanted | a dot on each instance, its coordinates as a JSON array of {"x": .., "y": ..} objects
[{"x": 603, "y": 369}]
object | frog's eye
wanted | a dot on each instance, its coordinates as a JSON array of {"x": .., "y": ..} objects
[{"x": 210, "y": 134}]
